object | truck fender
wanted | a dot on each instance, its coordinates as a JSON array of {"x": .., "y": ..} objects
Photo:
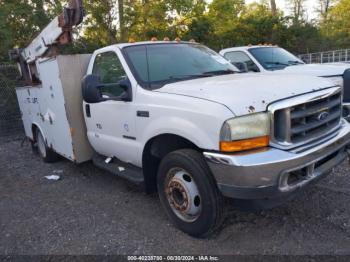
[
  {"x": 35, "y": 125},
  {"x": 183, "y": 128}
]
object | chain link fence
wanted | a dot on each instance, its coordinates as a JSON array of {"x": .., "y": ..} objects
[{"x": 10, "y": 116}]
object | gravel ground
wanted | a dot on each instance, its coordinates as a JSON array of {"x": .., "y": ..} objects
[{"x": 90, "y": 211}]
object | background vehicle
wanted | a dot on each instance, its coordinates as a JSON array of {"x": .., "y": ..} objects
[
  {"x": 175, "y": 117},
  {"x": 273, "y": 59}
]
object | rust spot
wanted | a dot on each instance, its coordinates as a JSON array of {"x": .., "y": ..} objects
[
  {"x": 251, "y": 109},
  {"x": 42, "y": 117},
  {"x": 263, "y": 101}
]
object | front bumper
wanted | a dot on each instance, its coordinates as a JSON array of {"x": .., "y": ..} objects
[{"x": 274, "y": 173}]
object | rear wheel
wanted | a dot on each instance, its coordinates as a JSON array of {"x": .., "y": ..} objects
[
  {"x": 189, "y": 194},
  {"x": 47, "y": 154}
]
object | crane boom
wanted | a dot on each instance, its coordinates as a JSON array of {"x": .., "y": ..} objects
[{"x": 57, "y": 32}]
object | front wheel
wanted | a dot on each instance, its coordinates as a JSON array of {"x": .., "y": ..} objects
[{"x": 188, "y": 193}]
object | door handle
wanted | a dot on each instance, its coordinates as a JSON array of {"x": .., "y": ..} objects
[{"x": 87, "y": 110}]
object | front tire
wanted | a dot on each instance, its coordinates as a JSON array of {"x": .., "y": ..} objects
[
  {"x": 47, "y": 154},
  {"x": 188, "y": 193}
]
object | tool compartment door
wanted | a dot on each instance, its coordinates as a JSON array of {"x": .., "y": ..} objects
[{"x": 53, "y": 109}]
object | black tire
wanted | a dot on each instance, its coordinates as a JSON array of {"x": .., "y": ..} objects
[
  {"x": 34, "y": 147},
  {"x": 46, "y": 153},
  {"x": 211, "y": 212}
]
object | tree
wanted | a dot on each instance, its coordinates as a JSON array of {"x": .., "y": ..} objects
[
  {"x": 273, "y": 7},
  {"x": 257, "y": 25},
  {"x": 21, "y": 21},
  {"x": 323, "y": 8},
  {"x": 224, "y": 16},
  {"x": 183, "y": 13},
  {"x": 121, "y": 20},
  {"x": 216, "y": 23},
  {"x": 336, "y": 28},
  {"x": 100, "y": 23},
  {"x": 148, "y": 19},
  {"x": 201, "y": 30},
  {"x": 298, "y": 10}
]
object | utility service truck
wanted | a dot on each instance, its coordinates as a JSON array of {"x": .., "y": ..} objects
[
  {"x": 176, "y": 117},
  {"x": 273, "y": 59}
]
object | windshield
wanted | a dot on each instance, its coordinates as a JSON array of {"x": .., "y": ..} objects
[
  {"x": 274, "y": 58},
  {"x": 155, "y": 65}
]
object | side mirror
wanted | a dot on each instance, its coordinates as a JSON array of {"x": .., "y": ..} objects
[
  {"x": 91, "y": 89},
  {"x": 254, "y": 68},
  {"x": 241, "y": 66},
  {"x": 126, "y": 85}
]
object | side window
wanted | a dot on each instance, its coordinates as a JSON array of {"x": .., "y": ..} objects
[
  {"x": 242, "y": 61},
  {"x": 110, "y": 70}
]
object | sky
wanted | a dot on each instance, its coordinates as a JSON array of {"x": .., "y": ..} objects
[{"x": 283, "y": 4}]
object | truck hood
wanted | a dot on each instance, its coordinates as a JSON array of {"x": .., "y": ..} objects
[
  {"x": 247, "y": 93},
  {"x": 316, "y": 69}
]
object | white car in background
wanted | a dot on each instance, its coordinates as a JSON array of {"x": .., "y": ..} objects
[{"x": 276, "y": 60}]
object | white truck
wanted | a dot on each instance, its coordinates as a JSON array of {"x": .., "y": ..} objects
[
  {"x": 175, "y": 117},
  {"x": 276, "y": 60}
]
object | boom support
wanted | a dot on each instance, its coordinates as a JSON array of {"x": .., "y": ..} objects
[{"x": 57, "y": 32}]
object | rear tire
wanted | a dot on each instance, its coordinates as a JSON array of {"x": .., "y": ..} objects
[
  {"x": 46, "y": 153},
  {"x": 188, "y": 193}
]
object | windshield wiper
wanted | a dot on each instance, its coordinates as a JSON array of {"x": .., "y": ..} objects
[
  {"x": 277, "y": 63},
  {"x": 205, "y": 74},
  {"x": 190, "y": 76},
  {"x": 221, "y": 72},
  {"x": 295, "y": 62}
]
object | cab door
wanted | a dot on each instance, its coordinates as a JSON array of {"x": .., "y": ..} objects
[{"x": 111, "y": 123}]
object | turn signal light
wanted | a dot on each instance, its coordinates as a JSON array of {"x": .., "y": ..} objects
[{"x": 245, "y": 144}]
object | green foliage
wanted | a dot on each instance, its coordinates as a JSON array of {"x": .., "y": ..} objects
[
  {"x": 216, "y": 23},
  {"x": 22, "y": 20},
  {"x": 335, "y": 28}
]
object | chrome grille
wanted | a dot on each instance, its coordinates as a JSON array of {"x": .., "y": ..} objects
[{"x": 308, "y": 121}]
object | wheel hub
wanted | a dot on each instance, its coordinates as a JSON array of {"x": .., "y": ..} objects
[
  {"x": 178, "y": 195},
  {"x": 183, "y": 195}
]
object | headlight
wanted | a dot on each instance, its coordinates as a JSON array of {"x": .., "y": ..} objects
[
  {"x": 246, "y": 132},
  {"x": 338, "y": 80}
]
